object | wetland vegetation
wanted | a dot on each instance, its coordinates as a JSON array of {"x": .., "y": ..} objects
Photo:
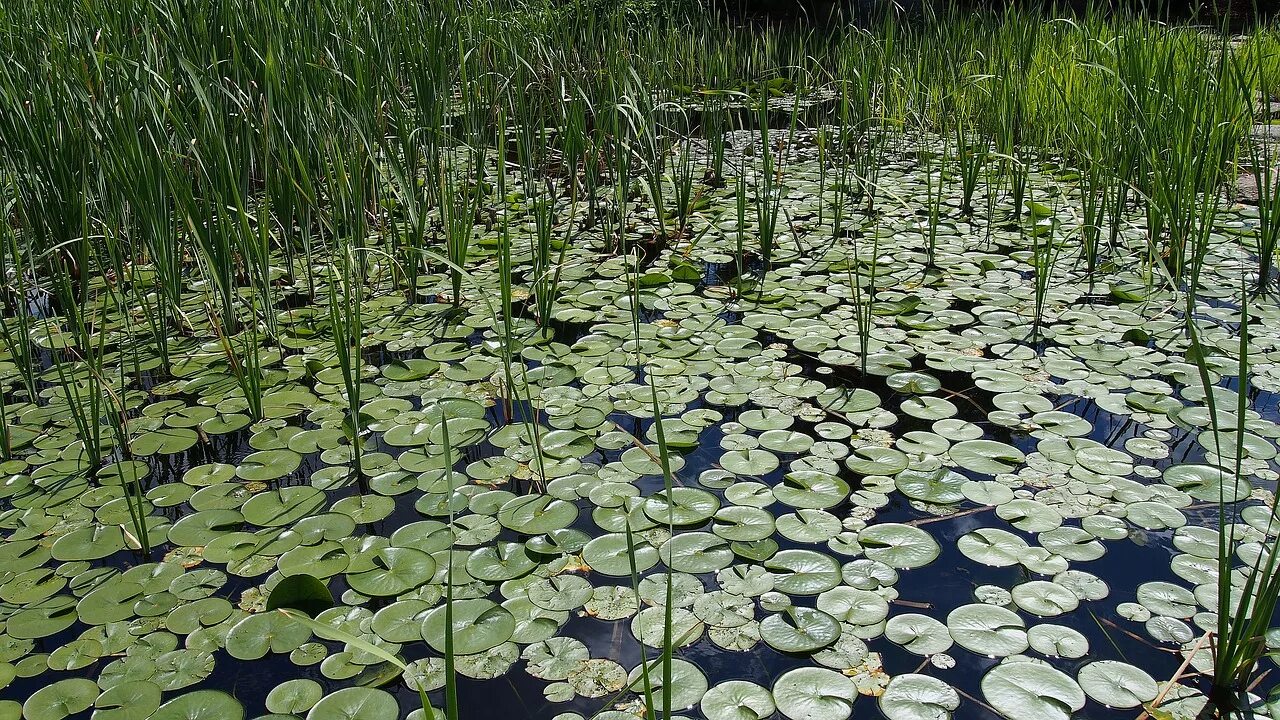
[{"x": 615, "y": 361}]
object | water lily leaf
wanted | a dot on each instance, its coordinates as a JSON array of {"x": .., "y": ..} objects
[
  {"x": 285, "y": 506},
  {"x": 927, "y": 407},
  {"x": 1154, "y": 516},
  {"x": 1029, "y": 515},
  {"x": 723, "y": 609},
  {"x": 1072, "y": 543},
  {"x": 809, "y": 526},
  {"x": 737, "y": 700},
  {"x": 987, "y": 630},
  {"x": 811, "y": 489},
  {"x": 256, "y": 635},
  {"x": 873, "y": 460},
  {"x": 500, "y": 562},
  {"x": 740, "y": 523},
  {"x": 940, "y": 485},
  {"x": 77, "y": 654},
  {"x": 689, "y": 683},
  {"x": 986, "y": 456},
  {"x": 914, "y": 383},
  {"x": 696, "y": 552},
  {"x": 608, "y": 555},
  {"x": 918, "y": 697},
  {"x": 755, "y": 463},
  {"x": 1057, "y": 641},
  {"x": 1117, "y": 684},
  {"x": 1163, "y": 598},
  {"x": 598, "y": 677},
  {"x": 851, "y": 605},
  {"x": 537, "y": 514},
  {"x": 356, "y": 703},
  {"x": 1207, "y": 483},
  {"x": 560, "y": 592},
  {"x": 492, "y": 663},
  {"x": 811, "y": 693},
  {"x": 201, "y": 705},
  {"x": 992, "y": 546},
  {"x": 396, "y": 570},
  {"x": 555, "y": 658},
  {"x": 918, "y": 633},
  {"x": 899, "y": 546},
  {"x": 1043, "y": 598},
  {"x": 566, "y": 444},
  {"x": 1020, "y": 690},
  {"x": 686, "y": 506},
  {"x": 478, "y": 625},
  {"x": 294, "y": 696},
  {"x": 268, "y": 465},
  {"x": 1086, "y": 586},
  {"x": 559, "y": 542},
  {"x": 1163, "y": 628},
  {"x": 53, "y": 615},
  {"x": 131, "y": 700},
  {"x": 799, "y": 630},
  {"x": 803, "y": 572},
  {"x": 758, "y": 550},
  {"x": 765, "y": 419},
  {"x": 61, "y": 699},
  {"x": 88, "y": 543},
  {"x": 323, "y": 559},
  {"x": 612, "y": 602},
  {"x": 164, "y": 441}
]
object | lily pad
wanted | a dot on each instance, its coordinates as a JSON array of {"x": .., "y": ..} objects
[
  {"x": 811, "y": 693},
  {"x": 918, "y": 697}
]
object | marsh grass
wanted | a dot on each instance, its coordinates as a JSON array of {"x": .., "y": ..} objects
[{"x": 220, "y": 150}]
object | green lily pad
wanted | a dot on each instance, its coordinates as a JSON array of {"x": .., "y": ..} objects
[
  {"x": 918, "y": 697},
  {"x": 803, "y": 572},
  {"x": 356, "y": 703},
  {"x": 918, "y": 633},
  {"x": 130, "y": 700},
  {"x": 294, "y": 696},
  {"x": 811, "y": 693},
  {"x": 396, "y": 570},
  {"x": 201, "y": 705},
  {"x": 799, "y": 630},
  {"x": 987, "y": 630},
  {"x": 478, "y": 625},
  {"x": 270, "y": 632},
  {"x": 986, "y": 456},
  {"x": 899, "y": 546},
  {"x": 737, "y": 700},
  {"x": 753, "y": 463},
  {"x": 61, "y": 699},
  {"x": 1117, "y": 684},
  {"x": 1020, "y": 690},
  {"x": 689, "y": 683}
]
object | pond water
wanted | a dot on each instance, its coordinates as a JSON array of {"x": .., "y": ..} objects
[{"x": 1004, "y": 498}]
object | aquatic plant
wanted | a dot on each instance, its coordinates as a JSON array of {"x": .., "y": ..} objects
[{"x": 581, "y": 345}]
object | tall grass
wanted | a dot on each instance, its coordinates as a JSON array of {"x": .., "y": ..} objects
[{"x": 223, "y": 150}]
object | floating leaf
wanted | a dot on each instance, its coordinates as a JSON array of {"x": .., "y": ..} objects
[
  {"x": 61, "y": 699},
  {"x": 1019, "y": 690},
  {"x": 918, "y": 697},
  {"x": 478, "y": 625},
  {"x": 799, "y": 630},
  {"x": 1117, "y": 684},
  {"x": 987, "y": 630},
  {"x": 356, "y": 703},
  {"x": 737, "y": 700},
  {"x": 811, "y": 693}
]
